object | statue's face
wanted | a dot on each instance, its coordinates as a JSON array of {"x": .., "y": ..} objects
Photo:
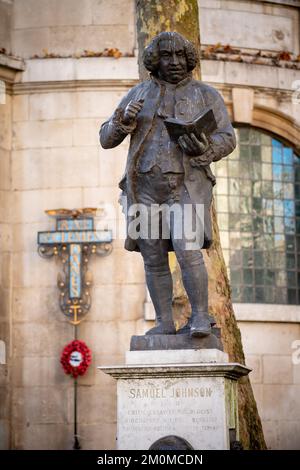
[{"x": 172, "y": 63}]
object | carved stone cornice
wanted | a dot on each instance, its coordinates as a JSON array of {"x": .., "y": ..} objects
[
  {"x": 73, "y": 85},
  {"x": 9, "y": 68}
]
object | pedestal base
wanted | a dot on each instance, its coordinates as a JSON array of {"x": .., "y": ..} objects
[
  {"x": 184, "y": 341},
  {"x": 188, "y": 394}
]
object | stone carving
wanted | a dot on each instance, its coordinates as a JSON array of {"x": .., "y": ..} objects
[{"x": 161, "y": 173}]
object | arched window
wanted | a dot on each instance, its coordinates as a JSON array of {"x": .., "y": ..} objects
[{"x": 258, "y": 206}]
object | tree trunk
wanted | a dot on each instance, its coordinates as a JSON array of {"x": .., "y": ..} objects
[{"x": 153, "y": 17}]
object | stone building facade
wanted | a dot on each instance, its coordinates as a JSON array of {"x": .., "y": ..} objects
[{"x": 55, "y": 91}]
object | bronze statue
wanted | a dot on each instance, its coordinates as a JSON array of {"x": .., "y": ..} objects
[{"x": 162, "y": 171}]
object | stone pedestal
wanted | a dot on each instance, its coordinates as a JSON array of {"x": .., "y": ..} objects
[{"x": 191, "y": 394}]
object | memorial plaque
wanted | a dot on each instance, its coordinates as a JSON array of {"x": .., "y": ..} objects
[
  {"x": 188, "y": 398},
  {"x": 192, "y": 408}
]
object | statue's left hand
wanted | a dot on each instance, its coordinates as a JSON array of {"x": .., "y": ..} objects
[{"x": 193, "y": 146}]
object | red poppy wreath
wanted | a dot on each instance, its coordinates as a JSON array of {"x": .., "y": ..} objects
[{"x": 76, "y": 358}]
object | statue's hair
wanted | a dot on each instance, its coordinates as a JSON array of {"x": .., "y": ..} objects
[{"x": 151, "y": 53}]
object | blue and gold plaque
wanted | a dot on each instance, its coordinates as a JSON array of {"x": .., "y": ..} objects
[{"x": 73, "y": 241}]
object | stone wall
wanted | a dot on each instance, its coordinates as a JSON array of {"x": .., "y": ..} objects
[
  {"x": 69, "y": 27},
  {"x": 6, "y": 10},
  {"x": 275, "y": 379},
  {"x": 50, "y": 158},
  {"x": 6, "y": 259},
  {"x": 250, "y": 25},
  {"x": 57, "y": 162}
]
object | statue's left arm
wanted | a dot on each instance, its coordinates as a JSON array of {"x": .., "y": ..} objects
[
  {"x": 222, "y": 141},
  {"x": 207, "y": 149}
]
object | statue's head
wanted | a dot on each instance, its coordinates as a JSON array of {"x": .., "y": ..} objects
[{"x": 170, "y": 56}]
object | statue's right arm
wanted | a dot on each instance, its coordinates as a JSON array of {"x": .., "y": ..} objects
[{"x": 114, "y": 131}]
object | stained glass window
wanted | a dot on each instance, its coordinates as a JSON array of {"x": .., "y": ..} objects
[{"x": 258, "y": 204}]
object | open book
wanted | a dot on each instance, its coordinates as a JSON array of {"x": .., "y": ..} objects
[{"x": 204, "y": 122}]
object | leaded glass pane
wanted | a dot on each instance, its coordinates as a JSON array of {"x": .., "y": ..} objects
[
  {"x": 266, "y": 169},
  {"x": 235, "y": 240},
  {"x": 265, "y": 139},
  {"x": 258, "y": 206},
  {"x": 266, "y": 154},
  {"x": 221, "y": 168},
  {"x": 234, "y": 186}
]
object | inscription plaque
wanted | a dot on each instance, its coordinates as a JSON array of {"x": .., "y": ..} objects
[{"x": 193, "y": 408}]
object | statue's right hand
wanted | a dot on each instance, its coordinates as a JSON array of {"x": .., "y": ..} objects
[{"x": 131, "y": 111}]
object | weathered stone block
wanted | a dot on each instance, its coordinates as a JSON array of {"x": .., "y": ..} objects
[
  {"x": 6, "y": 10},
  {"x": 255, "y": 363},
  {"x": 102, "y": 338},
  {"x": 107, "y": 68},
  {"x": 5, "y": 405},
  {"x": 5, "y": 170},
  {"x": 93, "y": 402},
  {"x": 61, "y": 105},
  {"x": 115, "y": 12},
  {"x": 230, "y": 26},
  {"x": 243, "y": 99},
  {"x": 27, "y": 43},
  {"x": 74, "y": 40},
  {"x": 271, "y": 431},
  {"x": 24, "y": 236},
  {"x": 30, "y": 206},
  {"x": 296, "y": 374},
  {"x": 278, "y": 369},
  {"x": 20, "y": 110},
  {"x": 96, "y": 104},
  {"x": 38, "y": 372},
  {"x": 40, "y": 405},
  {"x": 85, "y": 132},
  {"x": 6, "y": 270},
  {"x": 98, "y": 436},
  {"x": 49, "y": 436},
  {"x": 44, "y": 309},
  {"x": 37, "y": 13},
  {"x": 102, "y": 197},
  {"x": 29, "y": 270},
  {"x": 39, "y": 134},
  {"x": 5, "y": 205},
  {"x": 268, "y": 338},
  {"x": 280, "y": 402},
  {"x": 54, "y": 168},
  {"x": 132, "y": 298},
  {"x": 40, "y": 339},
  {"x": 212, "y": 71},
  {"x": 40, "y": 70},
  {"x": 105, "y": 299},
  {"x": 4, "y": 434},
  {"x": 6, "y": 237},
  {"x": 250, "y": 74},
  {"x": 5, "y": 124},
  {"x": 289, "y": 435}
]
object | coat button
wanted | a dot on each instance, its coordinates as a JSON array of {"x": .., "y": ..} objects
[{"x": 192, "y": 177}]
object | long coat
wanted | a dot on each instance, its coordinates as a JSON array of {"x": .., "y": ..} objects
[{"x": 191, "y": 98}]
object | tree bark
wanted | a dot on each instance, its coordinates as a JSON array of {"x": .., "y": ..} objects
[{"x": 153, "y": 17}]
